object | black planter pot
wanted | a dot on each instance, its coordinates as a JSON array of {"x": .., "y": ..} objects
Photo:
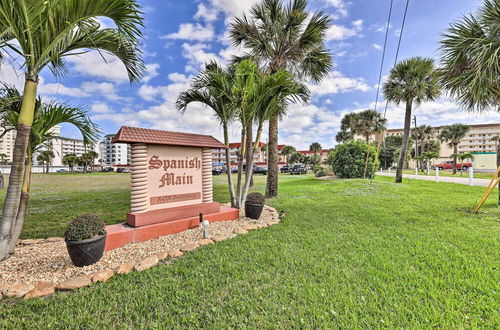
[
  {"x": 86, "y": 252},
  {"x": 253, "y": 211}
]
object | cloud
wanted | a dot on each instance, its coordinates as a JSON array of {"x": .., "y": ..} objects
[
  {"x": 10, "y": 75},
  {"x": 377, "y": 46},
  {"x": 196, "y": 56},
  {"x": 340, "y": 5},
  {"x": 336, "y": 83},
  {"x": 206, "y": 13},
  {"x": 192, "y": 32},
  {"x": 105, "y": 89},
  {"x": 150, "y": 72},
  {"x": 340, "y": 32},
  {"x": 60, "y": 89},
  {"x": 101, "y": 107},
  {"x": 100, "y": 65}
]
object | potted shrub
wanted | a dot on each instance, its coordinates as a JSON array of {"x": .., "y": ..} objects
[
  {"x": 85, "y": 239},
  {"x": 254, "y": 205}
]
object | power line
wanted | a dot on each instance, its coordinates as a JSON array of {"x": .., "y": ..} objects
[{"x": 383, "y": 54}]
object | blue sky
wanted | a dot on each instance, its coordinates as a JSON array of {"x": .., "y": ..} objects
[{"x": 180, "y": 36}]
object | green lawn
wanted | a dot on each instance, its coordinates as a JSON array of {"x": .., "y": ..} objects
[{"x": 349, "y": 254}]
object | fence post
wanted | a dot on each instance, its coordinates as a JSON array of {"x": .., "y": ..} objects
[
  {"x": 437, "y": 174},
  {"x": 416, "y": 170},
  {"x": 471, "y": 176}
]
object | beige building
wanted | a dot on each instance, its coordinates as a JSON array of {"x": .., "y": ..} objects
[
  {"x": 7, "y": 143},
  {"x": 476, "y": 141},
  {"x": 219, "y": 155}
]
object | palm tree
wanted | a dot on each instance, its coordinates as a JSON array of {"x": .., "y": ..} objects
[
  {"x": 213, "y": 88},
  {"x": 368, "y": 123},
  {"x": 427, "y": 156},
  {"x": 296, "y": 157},
  {"x": 496, "y": 139},
  {"x": 283, "y": 37},
  {"x": 315, "y": 147},
  {"x": 43, "y": 33},
  {"x": 462, "y": 157},
  {"x": 411, "y": 81},
  {"x": 70, "y": 160},
  {"x": 45, "y": 158},
  {"x": 88, "y": 159},
  {"x": 348, "y": 127},
  {"x": 470, "y": 50},
  {"x": 453, "y": 134},
  {"x": 287, "y": 151},
  {"x": 46, "y": 116},
  {"x": 421, "y": 135}
]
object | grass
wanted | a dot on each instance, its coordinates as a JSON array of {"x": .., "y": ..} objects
[
  {"x": 349, "y": 254},
  {"x": 477, "y": 175}
]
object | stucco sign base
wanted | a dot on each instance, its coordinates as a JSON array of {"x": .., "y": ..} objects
[{"x": 122, "y": 234}]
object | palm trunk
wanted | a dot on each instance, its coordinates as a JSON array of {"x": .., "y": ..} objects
[
  {"x": 1, "y": 181},
  {"x": 241, "y": 157},
  {"x": 404, "y": 146},
  {"x": 23, "y": 204},
  {"x": 251, "y": 151},
  {"x": 455, "y": 158},
  {"x": 272, "y": 162},
  {"x": 13, "y": 196},
  {"x": 249, "y": 156},
  {"x": 228, "y": 168}
]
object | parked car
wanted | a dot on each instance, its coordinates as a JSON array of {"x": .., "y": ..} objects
[
  {"x": 107, "y": 169},
  {"x": 285, "y": 169},
  {"x": 217, "y": 170},
  {"x": 62, "y": 170},
  {"x": 298, "y": 169},
  {"x": 448, "y": 165},
  {"x": 122, "y": 170},
  {"x": 260, "y": 170}
]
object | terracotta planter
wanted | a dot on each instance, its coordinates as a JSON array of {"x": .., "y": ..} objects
[
  {"x": 86, "y": 252},
  {"x": 253, "y": 211}
]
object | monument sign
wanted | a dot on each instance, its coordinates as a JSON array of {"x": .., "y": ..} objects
[{"x": 171, "y": 184}]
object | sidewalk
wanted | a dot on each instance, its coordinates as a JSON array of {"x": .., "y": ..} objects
[{"x": 459, "y": 180}]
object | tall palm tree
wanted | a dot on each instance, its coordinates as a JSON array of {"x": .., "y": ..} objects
[
  {"x": 315, "y": 147},
  {"x": 46, "y": 117},
  {"x": 213, "y": 87},
  {"x": 421, "y": 135},
  {"x": 281, "y": 37},
  {"x": 287, "y": 151},
  {"x": 453, "y": 134},
  {"x": 45, "y": 157},
  {"x": 411, "y": 81},
  {"x": 368, "y": 123},
  {"x": 43, "y": 33},
  {"x": 470, "y": 50}
]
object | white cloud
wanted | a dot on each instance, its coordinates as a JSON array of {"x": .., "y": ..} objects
[
  {"x": 105, "y": 89},
  {"x": 340, "y": 5},
  {"x": 150, "y": 72},
  {"x": 10, "y": 75},
  {"x": 148, "y": 93},
  {"x": 336, "y": 83},
  {"x": 177, "y": 77},
  {"x": 196, "y": 56},
  {"x": 60, "y": 89},
  {"x": 101, "y": 107},
  {"x": 100, "y": 65},
  {"x": 377, "y": 46},
  {"x": 192, "y": 32},
  {"x": 233, "y": 7},
  {"x": 340, "y": 32},
  {"x": 206, "y": 13}
]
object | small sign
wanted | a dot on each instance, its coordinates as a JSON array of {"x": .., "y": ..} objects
[{"x": 174, "y": 198}]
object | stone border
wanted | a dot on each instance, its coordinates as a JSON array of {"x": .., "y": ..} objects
[{"x": 43, "y": 289}]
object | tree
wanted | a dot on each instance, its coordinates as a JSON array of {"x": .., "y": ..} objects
[
  {"x": 390, "y": 150},
  {"x": 43, "y": 34},
  {"x": 70, "y": 160},
  {"x": 46, "y": 116},
  {"x": 452, "y": 134},
  {"x": 348, "y": 127},
  {"x": 411, "y": 81},
  {"x": 470, "y": 50},
  {"x": 368, "y": 123},
  {"x": 347, "y": 160},
  {"x": 88, "y": 159},
  {"x": 287, "y": 151},
  {"x": 427, "y": 157},
  {"x": 421, "y": 134},
  {"x": 463, "y": 156},
  {"x": 296, "y": 157},
  {"x": 45, "y": 158},
  {"x": 496, "y": 139},
  {"x": 315, "y": 147},
  {"x": 3, "y": 158},
  {"x": 283, "y": 37}
]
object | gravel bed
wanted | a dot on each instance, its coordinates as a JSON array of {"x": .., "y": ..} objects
[{"x": 49, "y": 261}]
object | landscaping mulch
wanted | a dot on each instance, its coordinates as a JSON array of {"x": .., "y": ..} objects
[{"x": 47, "y": 260}]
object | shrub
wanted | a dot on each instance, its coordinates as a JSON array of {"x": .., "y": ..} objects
[
  {"x": 348, "y": 160},
  {"x": 83, "y": 227},
  {"x": 320, "y": 173},
  {"x": 256, "y": 198},
  {"x": 317, "y": 168}
]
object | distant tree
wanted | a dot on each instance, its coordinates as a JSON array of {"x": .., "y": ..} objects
[
  {"x": 3, "y": 159},
  {"x": 315, "y": 147},
  {"x": 348, "y": 128},
  {"x": 296, "y": 157},
  {"x": 88, "y": 159},
  {"x": 462, "y": 157},
  {"x": 427, "y": 157},
  {"x": 287, "y": 151},
  {"x": 369, "y": 123},
  {"x": 45, "y": 158},
  {"x": 411, "y": 81},
  {"x": 342, "y": 136},
  {"x": 420, "y": 136},
  {"x": 347, "y": 160},
  {"x": 470, "y": 52},
  {"x": 70, "y": 160},
  {"x": 390, "y": 150},
  {"x": 453, "y": 134}
]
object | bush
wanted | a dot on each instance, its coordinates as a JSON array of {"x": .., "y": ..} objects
[
  {"x": 348, "y": 160},
  {"x": 256, "y": 198},
  {"x": 321, "y": 172},
  {"x": 317, "y": 168},
  {"x": 83, "y": 227}
]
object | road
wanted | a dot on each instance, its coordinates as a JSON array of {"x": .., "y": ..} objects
[{"x": 451, "y": 179}]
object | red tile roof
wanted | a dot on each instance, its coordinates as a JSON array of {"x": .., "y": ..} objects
[
  {"x": 308, "y": 152},
  {"x": 153, "y": 136},
  {"x": 237, "y": 144}
]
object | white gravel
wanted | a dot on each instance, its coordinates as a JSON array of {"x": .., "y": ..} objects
[{"x": 49, "y": 260}]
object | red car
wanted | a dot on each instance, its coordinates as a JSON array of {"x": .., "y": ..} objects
[{"x": 448, "y": 165}]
